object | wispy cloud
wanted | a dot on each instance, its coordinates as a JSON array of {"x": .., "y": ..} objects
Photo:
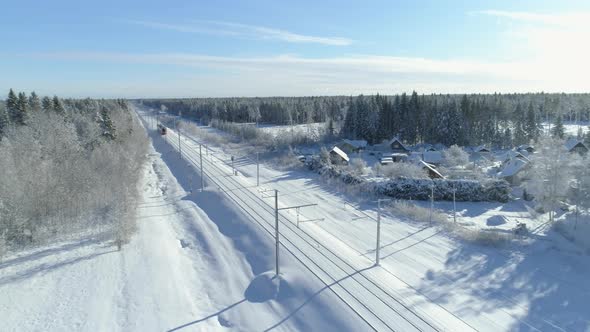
[
  {"x": 244, "y": 31},
  {"x": 559, "y": 19}
]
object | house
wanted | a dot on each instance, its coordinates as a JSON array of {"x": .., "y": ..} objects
[
  {"x": 432, "y": 172},
  {"x": 515, "y": 154},
  {"x": 575, "y": 145},
  {"x": 511, "y": 170},
  {"x": 481, "y": 149},
  {"x": 526, "y": 147},
  {"x": 432, "y": 157},
  {"x": 338, "y": 156},
  {"x": 397, "y": 146},
  {"x": 353, "y": 145}
]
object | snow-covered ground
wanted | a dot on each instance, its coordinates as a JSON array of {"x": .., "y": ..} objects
[
  {"x": 453, "y": 285},
  {"x": 312, "y": 129},
  {"x": 194, "y": 264}
]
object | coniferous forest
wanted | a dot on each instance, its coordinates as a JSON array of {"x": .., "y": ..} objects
[{"x": 497, "y": 120}]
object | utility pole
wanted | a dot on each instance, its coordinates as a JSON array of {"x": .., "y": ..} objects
[
  {"x": 277, "y": 232},
  {"x": 257, "y": 170},
  {"x": 201, "y": 161},
  {"x": 233, "y": 170}
]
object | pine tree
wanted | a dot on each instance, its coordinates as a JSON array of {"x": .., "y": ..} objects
[
  {"x": 106, "y": 124},
  {"x": 349, "y": 121},
  {"x": 47, "y": 104},
  {"x": 520, "y": 135},
  {"x": 4, "y": 120},
  {"x": 531, "y": 127},
  {"x": 22, "y": 109},
  {"x": 12, "y": 106},
  {"x": 34, "y": 102},
  {"x": 362, "y": 122},
  {"x": 558, "y": 131},
  {"x": 57, "y": 105}
]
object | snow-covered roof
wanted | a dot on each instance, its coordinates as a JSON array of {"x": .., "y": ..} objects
[
  {"x": 572, "y": 143},
  {"x": 431, "y": 169},
  {"x": 433, "y": 157},
  {"x": 481, "y": 148},
  {"x": 359, "y": 144},
  {"x": 513, "y": 166},
  {"x": 526, "y": 147},
  {"x": 511, "y": 154},
  {"x": 395, "y": 139},
  {"x": 341, "y": 153}
]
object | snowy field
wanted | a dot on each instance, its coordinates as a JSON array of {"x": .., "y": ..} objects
[
  {"x": 312, "y": 129},
  {"x": 531, "y": 284}
]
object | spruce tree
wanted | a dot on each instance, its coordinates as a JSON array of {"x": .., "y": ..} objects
[
  {"x": 34, "y": 102},
  {"x": 520, "y": 135},
  {"x": 57, "y": 105},
  {"x": 47, "y": 104},
  {"x": 12, "y": 106},
  {"x": 558, "y": 131},
  {"x": 22, "y": 109},
  {"x": 4, "y": 120},
  {"x": 348, "y": 130},
  {"x": 531, "y": 127}
]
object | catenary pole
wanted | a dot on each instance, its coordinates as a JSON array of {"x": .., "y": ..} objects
[
  {"x": 201, "y": 161},
  {"x": 277, "y": 232}
]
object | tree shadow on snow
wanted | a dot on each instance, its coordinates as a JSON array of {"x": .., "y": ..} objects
[{"x": 548, "y": 285}]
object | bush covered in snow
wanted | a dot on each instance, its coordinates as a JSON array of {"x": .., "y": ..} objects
[
  {"x": 420, "y": 189},
  {"x": 466, "y": 190},
  {"x": 455, "y": 156},
  {"x": 403, "y": 170},
  {"x": 357, "y": 166}
]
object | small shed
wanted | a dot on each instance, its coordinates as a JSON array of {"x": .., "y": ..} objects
[
  {"x": 433, "y": 173},
  {"x": 396, "y": 145},
  {"x": 338, "y": 156},
  {"x": 575, "y": 145},
  {"x": 353, "y": 145}
]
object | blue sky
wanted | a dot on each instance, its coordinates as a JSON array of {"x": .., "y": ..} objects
[{"x": 263, "y": 48}]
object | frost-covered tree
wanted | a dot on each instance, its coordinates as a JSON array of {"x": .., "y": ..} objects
[
  {"x": 47, "y": 104},
  {"x": 558, "y": 130},
  {"x": 4, "y": 120},
  {"x": 57, "y": 105},
  {"x": 12, "y": 106},
  {"x": 22, "y": 116},
  {"x": 34, "y": 102},
  {"x": 455, "y": 156},
  {"x": 550, "y": 174},
  {"x": 324, "y": 156},
  {"x": 358, "y": 166}
]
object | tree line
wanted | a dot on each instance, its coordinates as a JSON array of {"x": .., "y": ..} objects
[
  {"x": 68, "y": 166},
  {"x": 499, "y": 120}
]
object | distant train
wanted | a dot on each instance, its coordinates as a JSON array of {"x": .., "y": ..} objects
[{"x": 162, "y": 129}]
